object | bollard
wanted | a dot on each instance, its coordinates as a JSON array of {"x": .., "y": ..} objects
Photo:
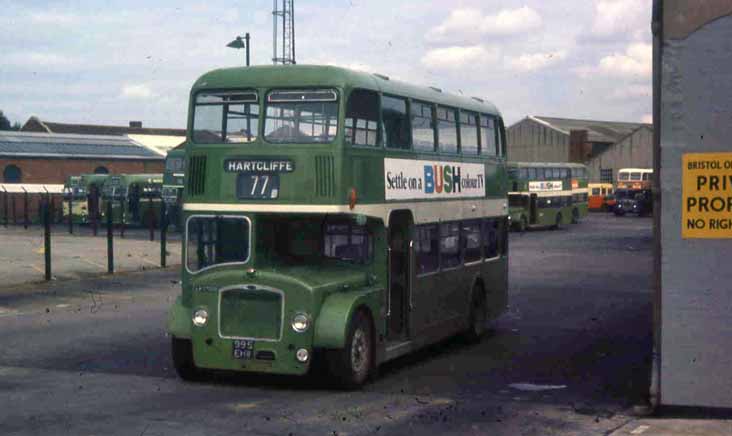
[
  {"x": 25, "y": 210},
  {"x": 71, "y": 214},
  {"x": 110, "y": 240},
  {"x": 47, "y": 238},
  {"x": 163, "y": 234}
]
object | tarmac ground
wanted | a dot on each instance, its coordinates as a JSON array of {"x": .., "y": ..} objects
[{"x": 570, "y": 357}]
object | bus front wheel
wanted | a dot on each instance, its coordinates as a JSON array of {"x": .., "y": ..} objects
[
  {"x": 182, "y": 351},
  {"x": 352, "y": 365}
]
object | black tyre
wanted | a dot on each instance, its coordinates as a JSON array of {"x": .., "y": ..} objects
[
  {"x": 478, "y": 316},
  {"x": 352, "y": 365},
  {"x": 182, "y": 351}
]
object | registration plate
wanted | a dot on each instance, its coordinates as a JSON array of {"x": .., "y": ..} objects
[{"x": 243, "y": 349}]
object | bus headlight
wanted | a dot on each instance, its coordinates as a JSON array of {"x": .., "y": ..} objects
[
  {"x": 302, "y": 355},
  {"x": 200, "y": 318},
  {"x": 300, "y": 322}
]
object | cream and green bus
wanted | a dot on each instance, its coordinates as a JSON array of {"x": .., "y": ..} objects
[{"x": 335, "y": 214}]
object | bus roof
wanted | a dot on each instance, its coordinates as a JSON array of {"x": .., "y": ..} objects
[
  {"x": 132, "y": 178},
  {"x": 288, "y": 76},
  {"x": 545, "y": 165},
  {"x": 636, "y": 170}
]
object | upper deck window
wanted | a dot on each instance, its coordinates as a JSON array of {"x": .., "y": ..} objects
[
  {"x": 423, "y": 127},
  {"x": 304, "y": 116},
  {"x": 635, "y": 176},
  {"x": 225, "y": 117},
  {"x": 362, "y": 118},
  {"x": 623, "y": 176},
  {"x": 488, "y": 136},
  {"x": 396, "y": 122},
  {"x": 469, "y": 133},
  {"x": 174, "y": 164},
  {"x": 447, "y": 130}
]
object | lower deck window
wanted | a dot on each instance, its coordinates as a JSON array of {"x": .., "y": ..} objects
[
  {"x": 449, "y": 245},
  {"x": 471, "y": 240},
  {"x": 427, "y": 249},
  {"x": 490, "y": 238},
  {"x": 347, "y": 242},
  {"x": 216, "y": 240}
]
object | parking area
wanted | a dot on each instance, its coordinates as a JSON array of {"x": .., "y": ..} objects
[
  {"x": 78, "y": 255},
  {"x": 570, "y": 357}
]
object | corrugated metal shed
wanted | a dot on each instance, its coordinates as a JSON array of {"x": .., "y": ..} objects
[
  {"x": 597, "y": 131},
  {"x": 50, "y": 145}
]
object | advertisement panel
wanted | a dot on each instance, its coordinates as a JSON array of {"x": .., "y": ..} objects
[{"x": 407, "y": 179}]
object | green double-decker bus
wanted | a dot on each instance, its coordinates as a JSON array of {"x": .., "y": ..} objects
[
  {"x": 135, "y": 198},
  {"x": 172, "y": 192},
  {"x": 75, "y": 200},
  {"x": 544, "y": 194},
  {"x": 335, "y": 214}
]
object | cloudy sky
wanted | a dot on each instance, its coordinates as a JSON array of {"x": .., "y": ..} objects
[{"x": 114, "y": 61}]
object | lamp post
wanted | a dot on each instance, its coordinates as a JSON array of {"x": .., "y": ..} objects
[{"x": 240, "y": 42}]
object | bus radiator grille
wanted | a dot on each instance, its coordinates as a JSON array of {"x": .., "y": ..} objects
[
  {"x": 324, "y": 176},
  {"x": 197, "y": 175}
]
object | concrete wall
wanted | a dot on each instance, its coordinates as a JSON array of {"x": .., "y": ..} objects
[
  {"x": 531, "y": 141},
  {"x": 57, "y": 170},
  {"x": 695, "y": 283},
  {"x": 635, "y": 151}
]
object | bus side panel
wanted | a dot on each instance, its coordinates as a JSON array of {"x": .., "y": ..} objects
[
  {"x": 495, "y": 277},
  {"x": 337, "y": 310}
]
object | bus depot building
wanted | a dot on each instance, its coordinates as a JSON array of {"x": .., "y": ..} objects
[{"x": 604, "y": 146}]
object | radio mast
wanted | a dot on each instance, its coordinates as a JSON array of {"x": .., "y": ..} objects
[{"x": 283, "y": 22}]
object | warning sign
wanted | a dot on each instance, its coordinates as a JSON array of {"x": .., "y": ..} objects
[{"x": 707, "y": 195}]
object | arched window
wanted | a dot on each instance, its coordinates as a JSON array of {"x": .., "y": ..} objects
[
  {"x": 101, "y": 170},
  {"x": 12, "y": 174}
]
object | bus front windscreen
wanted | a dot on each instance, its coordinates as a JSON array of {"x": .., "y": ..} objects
[
  {"x": 216, "y": 240},
  {"x": 225, "y": 117},
  {"x": 309, "y": 116}
]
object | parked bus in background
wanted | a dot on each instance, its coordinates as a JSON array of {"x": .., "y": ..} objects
[
  {"x": 634, "y": 178},
  {"x": 75, "y": 200},
  {"x": 579, "y": 178},
  {"x": 93, "y": 184},
  {"x": 599, "y": 193},
  {"x": 338, "y": 214},
  {"x": 135, "y": 198},
  {"x": 546, "y": 194},
  {"x": 172, "y": 191}
]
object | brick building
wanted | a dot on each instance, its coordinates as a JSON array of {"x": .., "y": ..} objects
[{"x": 50, "y": 158}]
